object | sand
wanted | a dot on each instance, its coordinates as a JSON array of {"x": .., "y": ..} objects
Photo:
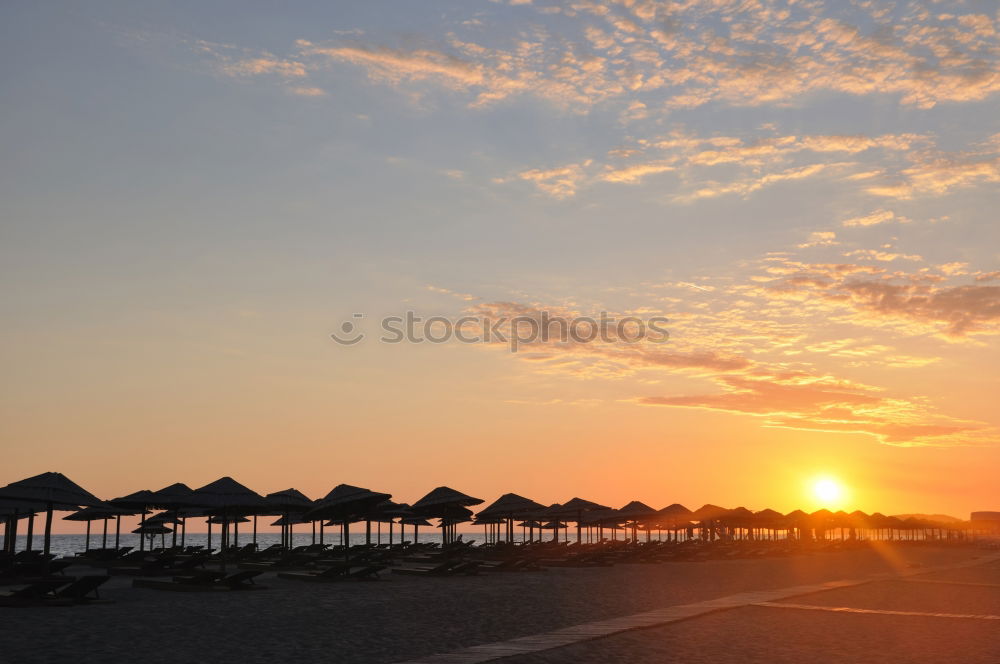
[{"x": 401, "y": 618}]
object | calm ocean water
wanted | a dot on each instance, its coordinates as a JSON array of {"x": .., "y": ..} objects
[{"x": 64, "y": 545}]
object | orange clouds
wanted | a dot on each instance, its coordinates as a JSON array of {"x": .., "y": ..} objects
[{"x": 954, "y": 311}]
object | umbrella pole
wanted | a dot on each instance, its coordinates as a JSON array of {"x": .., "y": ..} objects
[
  {"x": 104, "y": 537},
  {"x": 31, "y": 531},
  {"x": 12, "y": 530},
  {"x": 86, "y": 547},
  {"x": 254, "y": 531},
  {"x": 118, "y": 529},
  {"x": 236, "y": 532},
  {"x": 368, "y": 532},
  {"x": 208, "y": 522},
  {"x": 48, "y": 535},
  {"x": 314, "y": 531},
  {"x": 322, "y": 528},
  {"x": 184, "y": 530},
  {"x": 347, "y": 540},
  {"x": 390, "y": 533}
]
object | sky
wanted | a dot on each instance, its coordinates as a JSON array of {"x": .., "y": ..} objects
[{"x": 197, "y": 195}]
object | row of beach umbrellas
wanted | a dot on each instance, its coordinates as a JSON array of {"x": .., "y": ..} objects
[{"x": 227, "y": 503}]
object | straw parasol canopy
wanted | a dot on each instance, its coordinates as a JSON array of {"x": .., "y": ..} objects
[
  {"x": 709, "y": 512},
  {"x": 508, "y": 505},
  {"x": 97, "y": 514},
  {"x": 18, "y": 508},
  {"x": 635, "y": 511},
  {"x": 447, "y": 504},
  {"x": 226, "y": 495},
  {"x": 443, "y": 498},
  {"x": 289, "y": 500},
  {"x": 345, "y": 501},
  {"x": 768, "y": 518},
  {"x": 172, "y": 497},
  {"x": 52, "y": 491},
  {"x": 289, "y": 520},
  {"x": 225, "y": 519},
  {"x": 152, "y": 529}
]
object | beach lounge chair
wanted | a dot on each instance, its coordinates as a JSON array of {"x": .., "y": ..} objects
[
  {"x": 203, "y": 581},
  {"x": 39, "y": 593},
  {"x": 84, "y": 590},
  {"x": 345, "y": 572}
]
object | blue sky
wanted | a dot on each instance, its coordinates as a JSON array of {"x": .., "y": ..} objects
[{"x": 196, "y": 194}]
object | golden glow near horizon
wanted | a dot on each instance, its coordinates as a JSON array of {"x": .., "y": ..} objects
[{"x": 820, "y": 236}]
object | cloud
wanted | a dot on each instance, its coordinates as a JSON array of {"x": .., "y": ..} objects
[
  {"x": 920, "y": 298},
  {"x": 820, "y": 239},
  {"x": 395, "y": 65},
  {"x": 821, "y": 403},
  {"x": 874, "y": 219}
]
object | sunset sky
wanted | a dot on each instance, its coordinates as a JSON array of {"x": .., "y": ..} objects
[{"x": 196, "y": 195}]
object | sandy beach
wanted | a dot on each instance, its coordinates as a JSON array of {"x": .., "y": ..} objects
[{"x": 399, "y": 618}]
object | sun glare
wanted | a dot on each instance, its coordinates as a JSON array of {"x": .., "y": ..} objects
[{"x": 828, "y": 491}]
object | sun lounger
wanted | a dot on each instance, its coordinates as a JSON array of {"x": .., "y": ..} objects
[
  {"x": 40, "y": 593},
  {"x": 344, "y": 572},
  {"x": 447, "y": 568},
  {"x": 84, "y": 590},
  {"x": 203, "y": 581}
]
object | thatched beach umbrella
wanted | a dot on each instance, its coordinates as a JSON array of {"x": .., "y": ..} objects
[
  {"x": 287, "y": 502},
  {"x": 416, "y": 522},
  {"x": 151, "y": 530},
  {"x": 507, "y": 507},
  {"x": 799, "y": 521},
  {"x": 343, "y": 504},
  {"x": 574, "y": 509},
  {"x": 635, "y": 512},
  {"x": 12, "y": 511},
  {"x": 227, "y": 497},
  {"x": 441, "y": 503},
  {"x": 140, "y": 502},
  {"x": 674, "y": 517},
  {"x": 768, "y": 519},
  {"x": 708, "y": 516},
  {"x": 53, "y": 491},
  {"x": 174, "y": 497},
  {"x": 90, "y": 514}
]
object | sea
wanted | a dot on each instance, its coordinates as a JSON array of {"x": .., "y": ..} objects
[{"x": 68, "y": 545}]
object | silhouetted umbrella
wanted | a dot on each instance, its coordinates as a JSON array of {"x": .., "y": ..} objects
[
  {"x": 12, "y": 511},
  {"x": 441, "y": 503},
  {"x": 139, "y": 502},
  {"x": 508, "y": 506},
  {"x": 635, "y": 512},
  {"x": 575, "y": 508},
  {"x": 227, "y": 497},
  {"x": 344, "y": 503},
  {"x": 152, "y": 530},
  {"x": 53, "y": 490},
  {"x": 174, "y": 497},
  {"x": 90, "y": 514},
  {"x": 287, "y": 502},
  {"x": 769, "y": 519},
  {"x": 798, "y": 520}
]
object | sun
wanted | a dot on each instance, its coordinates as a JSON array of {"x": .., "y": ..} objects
[{"x": 828, "y": 491}]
